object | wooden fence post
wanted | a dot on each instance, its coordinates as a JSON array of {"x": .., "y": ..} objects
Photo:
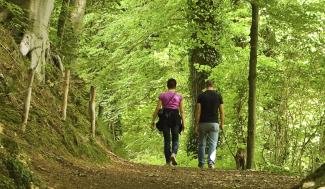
[
  {"x": 31, "y": 74},
  {"x": 92, "y": 110},
  {"x": 66, "y": 92}
]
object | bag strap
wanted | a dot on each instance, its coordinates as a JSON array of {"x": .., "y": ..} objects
[{"x": 170, "y": 99}]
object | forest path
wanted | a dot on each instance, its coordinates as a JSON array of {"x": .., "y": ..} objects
[{"x": 58, "y": 172}]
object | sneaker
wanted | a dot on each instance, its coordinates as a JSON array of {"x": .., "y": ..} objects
[
  {"x": 201, "y": 166},
  {"x": 168, "y": 163},
  {"x": 173, "y": 159},
  {"x": 211, "y": 166}
]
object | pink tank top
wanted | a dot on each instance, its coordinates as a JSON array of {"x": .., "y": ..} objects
[{"x": 174, "y": 100}]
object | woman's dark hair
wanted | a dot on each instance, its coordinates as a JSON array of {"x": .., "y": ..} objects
[{"x": 171, "y": 83}]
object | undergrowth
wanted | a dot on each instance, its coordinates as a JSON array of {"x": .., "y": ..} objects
[{"x": 45, "y": 131}]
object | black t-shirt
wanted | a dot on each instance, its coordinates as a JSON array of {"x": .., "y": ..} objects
[{"x": 210, "y": 101}]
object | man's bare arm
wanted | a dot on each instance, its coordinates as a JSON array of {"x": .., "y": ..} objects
[
  {"x": 182, "y": 114},
  {"x": 222, "y": 116},
  {"x": 197, "y": 117}
]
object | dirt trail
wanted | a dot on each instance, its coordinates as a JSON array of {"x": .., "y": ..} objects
[{"x": 120, "y": 174}]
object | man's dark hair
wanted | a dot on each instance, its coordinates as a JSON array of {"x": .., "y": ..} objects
[
  {"x": 209, "y": 83},
  {"x": 171, "y": 83}
]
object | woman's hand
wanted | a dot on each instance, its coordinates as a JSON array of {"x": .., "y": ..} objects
[{"x": 183, "y": 126}]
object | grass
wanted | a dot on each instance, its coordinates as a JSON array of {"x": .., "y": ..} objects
[{"x": 45, "y": 130}]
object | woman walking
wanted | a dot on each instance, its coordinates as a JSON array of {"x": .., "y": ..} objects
[{"x": 172, "y": 120}]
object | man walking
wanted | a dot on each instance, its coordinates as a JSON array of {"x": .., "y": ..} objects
[{"x": 208, "y": 106}]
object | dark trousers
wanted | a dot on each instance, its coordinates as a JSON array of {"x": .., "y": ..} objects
[{"x": 171, "y": 130}]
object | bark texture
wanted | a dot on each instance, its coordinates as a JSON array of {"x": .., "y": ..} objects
[
  {"x": 36, "y": 40},
  {"x": 92, "y": 111},
  {"x": 203, "y": 52},
  {"x": 28, "y": 98},
  {"x": 66, "y": 92},
  {"x": 69, "y": 26},
  {"x": 252, "y": 87}
]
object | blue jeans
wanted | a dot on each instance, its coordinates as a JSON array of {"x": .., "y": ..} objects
[{"x": 208, "y": 133}]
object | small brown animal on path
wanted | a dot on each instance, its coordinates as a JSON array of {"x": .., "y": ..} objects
[{"x": 240, "y": 158}]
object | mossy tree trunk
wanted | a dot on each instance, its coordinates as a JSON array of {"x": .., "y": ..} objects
[
  {"x": 319, "y": 155},
  {"x": 69, "y": 26},
  {"x": 239, "y": 128},
  {"x": 36, "y": 40},
  {"x": 68, "y": 30},
  {"x": 66, "y": 92},
  {"x": 28, "y": 98},
  {"x": 92, "y": 110},
  {"x": 322, "y": 139},
  {"x": 203, "y": 53},
  {"x": 252, "y": 87}
]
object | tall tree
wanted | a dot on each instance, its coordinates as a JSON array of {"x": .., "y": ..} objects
[
  {"x": 252, "y": 86},
  {"x": 36, "y": 40},
  {"x": 203, "y": 53},
  {"x": 69, "y": 25}
]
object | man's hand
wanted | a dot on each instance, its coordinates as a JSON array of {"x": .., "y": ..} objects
[{"x": 222, "y": 126}]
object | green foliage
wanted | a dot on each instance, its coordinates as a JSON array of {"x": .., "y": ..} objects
[
  {"x": 6, "y": 183},
  {"x": 274, "y": 168},
  {"x": 14, "y": 169},
  {"x": 130, "y": 48},
  {"x": 15, "y": 9},
  {"x": 18, "y": 20},
  {"x": 206, "y": 24},
  {"x": 11, "y": 146},
  {"x": 18, "y": 171},
  {"x": 288, "y": 115},
  {"x": 144, "y": 44}
]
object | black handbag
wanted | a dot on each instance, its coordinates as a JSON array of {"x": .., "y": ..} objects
[
  {"x": 161, "y": 114},
  {"x": 159, "y": 125}
]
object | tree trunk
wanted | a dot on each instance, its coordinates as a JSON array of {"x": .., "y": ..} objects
[
  {"x": 239, "y": 128},
  {"x": 202, "y": 19},
  {"x": 77, "y": 14},
  {"x": 252, "y": 87},
  {"x": 58, "y": 62},
  {"x": 66, "y": 92},
  {"x": 36, "y": 41},
  {"x": 69, "y": 24},
  {"x": 62, "y": 22},
  {"x": 92, "y": 112},
  {"x": 322, "y": 143},
  {"x": 100, "y": 111},
  {"x": 28, "y": 98},
  {"x": 113, "y": 132},
  {"x": 322, "y": 139}
]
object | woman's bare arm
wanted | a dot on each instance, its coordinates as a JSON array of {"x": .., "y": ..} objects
[
  {"x": 154, "y": 115},
  {"x": 181, "y": 109}
]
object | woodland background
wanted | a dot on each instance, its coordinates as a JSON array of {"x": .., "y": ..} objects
[{"x": 128, "y": 49}]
